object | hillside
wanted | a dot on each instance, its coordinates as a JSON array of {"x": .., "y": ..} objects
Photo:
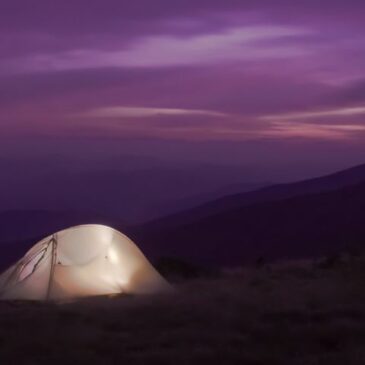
[
  {"x": 348, "y": 177},
  {"x": 306, "y": 225},
  {"x": 299, "y": 219},
  {"x": 292, "y": 314}
]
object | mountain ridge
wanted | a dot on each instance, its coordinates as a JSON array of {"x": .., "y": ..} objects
[{"x": 333, "y": 181}]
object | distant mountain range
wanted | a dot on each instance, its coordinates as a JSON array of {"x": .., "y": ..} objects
[
  {"x": 307, "y": 218},
  {"x": 133, "y": 196},
  {"x": 348, "y": 177}
]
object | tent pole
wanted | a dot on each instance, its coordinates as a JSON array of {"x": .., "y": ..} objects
[{"x": 53, "y": 262}]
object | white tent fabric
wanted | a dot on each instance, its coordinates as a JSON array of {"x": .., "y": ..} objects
[{"x": 81, "y": 261}]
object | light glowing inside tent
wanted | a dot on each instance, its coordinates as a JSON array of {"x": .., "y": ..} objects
[
  {"x": 81, "y": 261},
  {"x": 113, "y": 256}
]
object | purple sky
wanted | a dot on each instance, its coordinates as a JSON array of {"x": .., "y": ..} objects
[{"x": 270, "y": 82}]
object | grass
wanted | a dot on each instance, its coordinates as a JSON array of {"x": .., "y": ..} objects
[{"x": 291, "y": 313}]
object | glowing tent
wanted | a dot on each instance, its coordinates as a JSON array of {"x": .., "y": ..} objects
[{"x": 81, "y": 261}]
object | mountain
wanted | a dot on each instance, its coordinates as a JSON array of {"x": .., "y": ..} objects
[
  {"x": 133, "y": 196},
  {"x": 189, "y": 202},
  {"x": 276, "y": 192},
  {"x": 308, "y": 225},
  {"x": 305, "y": 218},
  {"x": 308, "y": 218}
]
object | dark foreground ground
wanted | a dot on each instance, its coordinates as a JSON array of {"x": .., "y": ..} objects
[{"x": 295, "y": 313}]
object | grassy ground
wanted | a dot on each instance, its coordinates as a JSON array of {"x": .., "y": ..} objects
[{"x": 299, "y": 313}]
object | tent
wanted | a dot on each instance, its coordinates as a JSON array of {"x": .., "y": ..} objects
[{"x": 81, "y": 261}]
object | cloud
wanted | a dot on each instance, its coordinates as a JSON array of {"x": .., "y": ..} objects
[
  {"x": 190, "y": 69},
  {"x": 235, "y": 44},
  {"x": 95, "y": 16},
  {"x": 229, "y": 90},
  {"x": 314, "y": 131},
  {"x": 203, "y": 128},
  {"x": 336, "y": 112},
  {"x": 145, "y": 112}
]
